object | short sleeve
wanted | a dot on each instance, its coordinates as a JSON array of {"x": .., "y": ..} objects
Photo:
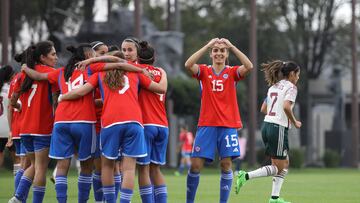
[
  {"x": 53, "y": 76},
  {"x": 291, "y": 94},
  {"x": 235, "y": 73},
  {"x": 94, "y": 79},
  {"x": 144, "y": 81},
  {"x": 201, "y": 71},
  {"x": 95, "y": 67},
  {"x": 17, "y": 85}
]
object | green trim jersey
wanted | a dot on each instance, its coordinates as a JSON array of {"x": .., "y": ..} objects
[{"x": 277, "y": 94}]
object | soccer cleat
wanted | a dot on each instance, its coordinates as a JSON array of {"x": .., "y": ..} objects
[
  {"x": 240, "y": 181},
  {"x": 278, "y": 200},
  {"x": 14, "y": 200}
]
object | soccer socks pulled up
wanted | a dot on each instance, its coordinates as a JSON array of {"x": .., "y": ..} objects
[
  {"x": 146, "y": 193},
  {"x": 192, "y": 183},
  {"x": 17, "y": 178},
  {"x": 277, "y": 183},
  {"x": 23, "y": 188},
  {"x": 160, "y": 194},
  {"x": 16, "y": 168},
  {"x": 61, "y": 188},
  {"x": 97, "y": 186},
  {"x": 269, "y": 170},
  {"x": 117, "y": 181},
  {"x": 225, "y": 185},
  {"x": 109, "y": 194},
  {"x": 125, "y": 195},
  {"x": 84, "y": 186},
  {"x": 38, "y": 194}
]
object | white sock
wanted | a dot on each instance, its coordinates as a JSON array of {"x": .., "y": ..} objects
[
  {"x": 16, "y": 168},
  {"x": 269, "y": 170},
  {"x": 54, "y": 172},
  {"x": 277, "y": 183}
]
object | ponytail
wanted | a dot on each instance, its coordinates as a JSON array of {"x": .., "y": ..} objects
[
  {"x": 6, "y": 73},
  {"x": 277, "y": 70},
  {"x": 78, "y": 54}
]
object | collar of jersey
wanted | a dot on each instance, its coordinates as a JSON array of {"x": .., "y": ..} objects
[{"x": 212, "y": 68}]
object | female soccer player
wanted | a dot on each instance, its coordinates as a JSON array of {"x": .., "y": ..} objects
[
  {"x": 282, "y": 77},
  {"x": 100, "y": 48},
  {"x": 156, "y": 132},
  {"x": 219, "y": 113},
  {"x": 37, "y": 120},
  {"x": 74, "y": 120},
  {"x": 121, "y": 124},
  {"x": 130, "y": 47}
]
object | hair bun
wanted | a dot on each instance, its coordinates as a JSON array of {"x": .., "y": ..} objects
[
  {"x": 143, "y": 44},
  {"x": 71, "y": 48},
  {"x": 18, "y": 57}
]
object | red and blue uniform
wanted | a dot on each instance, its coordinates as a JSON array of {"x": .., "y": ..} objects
[
  {"x": 74, "y": 119},
  {"x": 155, "y": 121},
  {"x": 37, "y": 115},
  {"x": 219, "y": 114},
  {"x": 15, "y": 121},
  {"x": 121, "y": 118}
]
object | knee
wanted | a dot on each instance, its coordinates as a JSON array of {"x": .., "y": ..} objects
[{"x": 225, "y": 165}]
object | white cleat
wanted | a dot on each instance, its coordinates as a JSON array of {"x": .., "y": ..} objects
[{"x": 14, "y": 200}]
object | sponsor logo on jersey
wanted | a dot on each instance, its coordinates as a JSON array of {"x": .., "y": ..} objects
[{"x": 210, "y": 76}]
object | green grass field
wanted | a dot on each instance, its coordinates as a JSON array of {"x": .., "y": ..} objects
[{"x": 301, "y": 186}]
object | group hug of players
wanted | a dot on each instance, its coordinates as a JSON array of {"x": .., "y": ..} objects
[{"x": 107, "y": 107}]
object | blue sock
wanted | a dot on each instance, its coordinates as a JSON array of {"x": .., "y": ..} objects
[
  {"x": 23, "y": 188},
  {"x": 146, "y": 193},
  {"x": 61, "y": 188},
  {"x": 97, "y": 186},
  {"x": 117, "y": 181},
  {"x": 160, "y": 194},
  {"x": 109, "y": 194},
  {"x": 38, "y": 194},
  {"x": 181, "y": 168},
  {"x": 192, "y": 184},
  {"x": 84, "y": 187},
  {"x": 17, "y": 178},
  {"x": 225, "y": 185},
  {"x": 125, "y": 195}
]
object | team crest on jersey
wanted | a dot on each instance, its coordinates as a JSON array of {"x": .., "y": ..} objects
[
  {"x": 197, "y": 149},
  {"x": 225, "y": 76}
]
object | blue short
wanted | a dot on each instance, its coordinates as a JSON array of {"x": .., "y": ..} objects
[
  {"x": 156, "y": 143},
  {"x": 19, "y": 147},
  {"x": 208, "y": 139},
  {"x": 185, "y": 154},
  {"x": 68, "y": 136},
  {"x": 128, "y": 138},
  {"x": 97, "y": 153},
  {"x": 35, "y": 143}
]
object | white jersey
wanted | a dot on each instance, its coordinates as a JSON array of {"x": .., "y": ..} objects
[
  {"x": 4, "y": 125},
  {"x": 276, "y": 96}
]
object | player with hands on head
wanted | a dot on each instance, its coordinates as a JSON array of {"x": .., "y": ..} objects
[{"x": 219, "y": 114}]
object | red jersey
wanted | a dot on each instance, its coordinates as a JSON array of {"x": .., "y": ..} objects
[
  {"x": 15, "y": 121},
  {"x": 187, "y": 138},
  {"x": 219, "y": 105},
  {"x": 37, "y": 112},
  {"x": 120, "y": 106},
  {"x": 98, "y": 111},
  {"x": 81, "y": 110},
  {"x": 153, "y": 104}
]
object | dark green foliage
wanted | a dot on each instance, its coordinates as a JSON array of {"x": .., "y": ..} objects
[
  {"x": 331, "y": 158},
  {"x": 297, "y": 158}
]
